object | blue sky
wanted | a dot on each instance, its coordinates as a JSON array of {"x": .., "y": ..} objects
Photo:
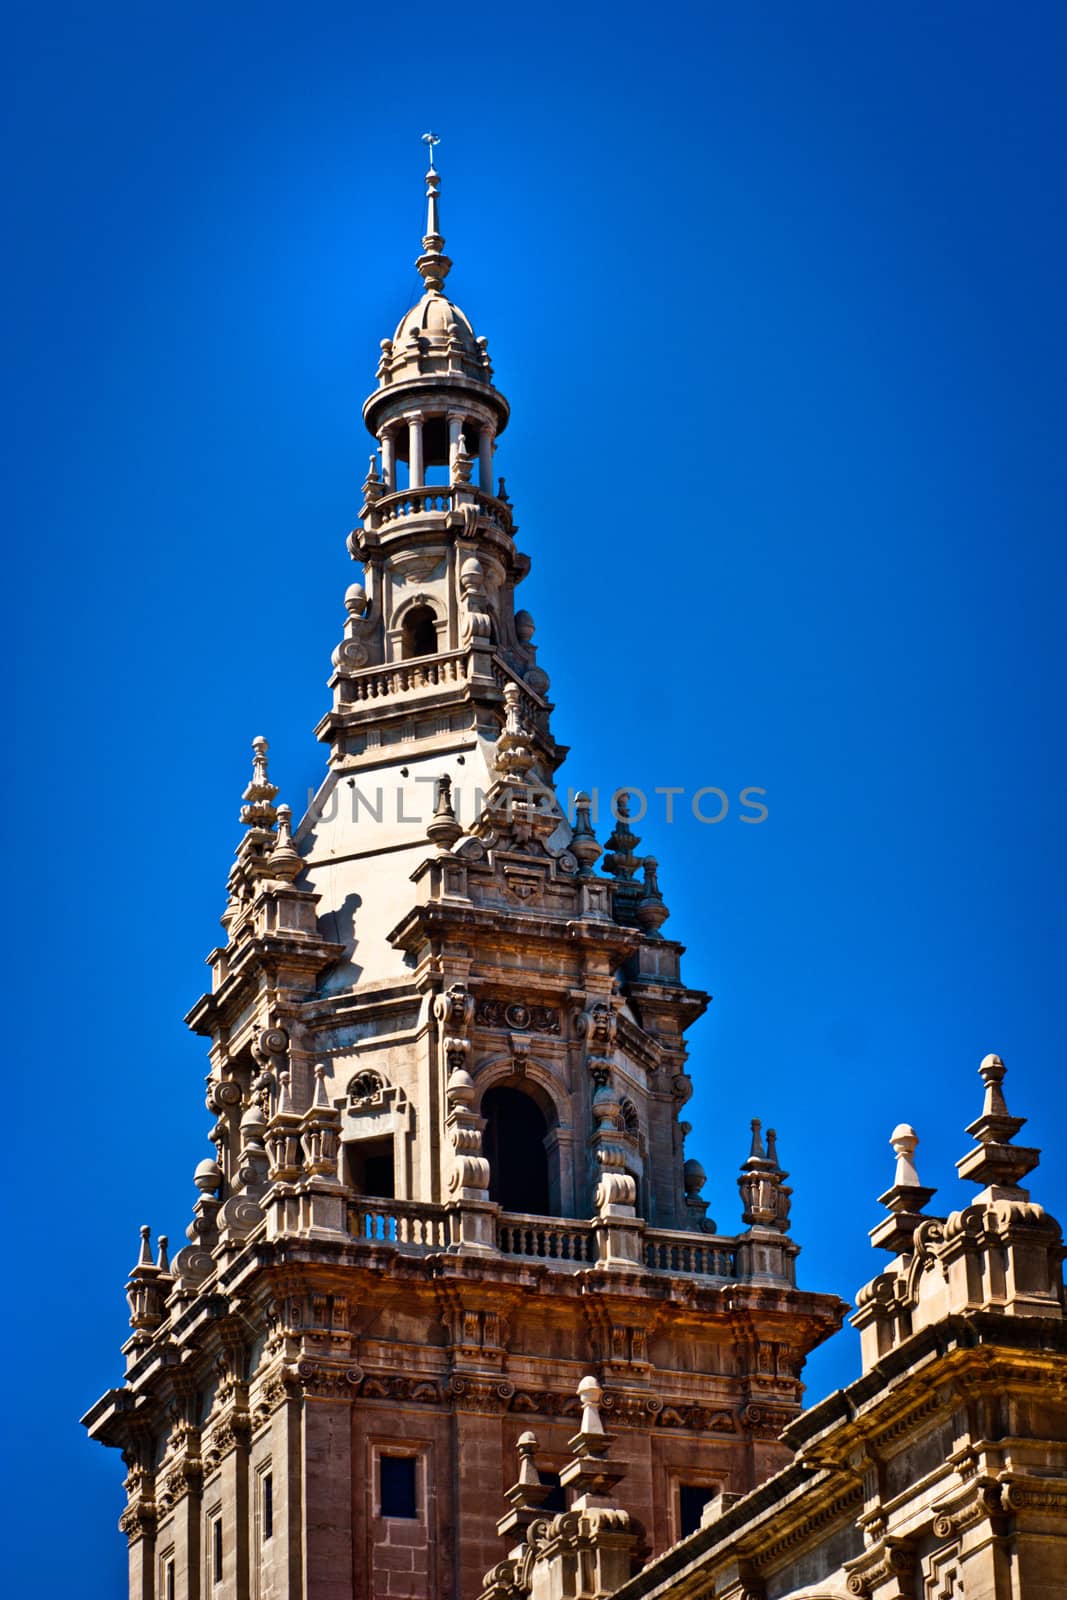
[{"x": 775, "y": 292}]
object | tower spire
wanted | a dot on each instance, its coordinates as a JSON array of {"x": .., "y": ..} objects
[{"x": 433, "y": 264}]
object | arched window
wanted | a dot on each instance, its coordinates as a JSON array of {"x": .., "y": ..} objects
[
  {"x": 419, "y": 633},
  {"x": 514, "y": 1144}
]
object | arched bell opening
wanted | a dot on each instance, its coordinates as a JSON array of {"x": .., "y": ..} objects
[
  {"x": 516, "y": 1142},
  {"x": 418, "y": 633},
  {"x": 418, "y": 450},
  {"x": 437, "y": 471},
  {"x": 421, "y": 453}
]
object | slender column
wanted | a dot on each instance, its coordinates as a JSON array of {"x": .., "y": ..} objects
[
  {"x": 388, "y": 444},
  {"x": 416, "y": 471},
  {"x": 187, "y": 1563},
  {"x": 233, "y": 1479},
  {"x": 455, "y": 430},
  {"x": 143, "y": 1566},
  {"x": 485, "y": 460}
]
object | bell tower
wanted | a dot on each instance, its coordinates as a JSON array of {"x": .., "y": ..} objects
[{"x": 447, "y": 1070}]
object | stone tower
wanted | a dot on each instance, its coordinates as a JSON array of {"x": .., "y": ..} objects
[{"x": 447, "y": 1070}]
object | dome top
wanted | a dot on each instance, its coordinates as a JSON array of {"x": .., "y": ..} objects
[{"x": 435, "y": 338}]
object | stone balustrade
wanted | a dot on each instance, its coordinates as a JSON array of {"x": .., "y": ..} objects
[
  {"x": 410, "y": 1225},
  {"x": 704, "y": 1256},
  {"x": 405, "y": 677},
  {"x": 559, "y": 1241},
  {"x": 433, "y": 499},
  {"x": 565, "y": 1242}
]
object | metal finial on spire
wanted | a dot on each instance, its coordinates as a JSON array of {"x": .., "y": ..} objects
[{"x": 433, "y": 264}]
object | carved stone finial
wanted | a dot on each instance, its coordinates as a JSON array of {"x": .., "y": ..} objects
[
  {"x": 527, "y": 1448},
  {"x": 515, "y": 754},
  {"x": 462, "y": 462},
  {"x": 992, "y": 1071},
  {"x": 590, "y": 1394},
  {"x": 584, "y": 843},
  {"x": 373, "y": 487},
  {"x": 147, "y": 1289},
  {"x": 694, "y": 1177},
  {"x": 621, "y": 860},
  {"x": 208, "y": 1176},
  {"x": 284, "y": 861},
  {"x": 904, "y": 1140},
  {"x": 527, "y": 1495},
  {"x": 258, "y": 810},
  {"x": 996, "y": 1163},
  {"x": 162, "y": 1259},
  {"x": 443, "y": 829},
  {"x": 905, "y": 1200},
  {"x": 762, "y": 1183},
  {"x": 651, "y": 911},
  {"x": 590, "y": 1474}
]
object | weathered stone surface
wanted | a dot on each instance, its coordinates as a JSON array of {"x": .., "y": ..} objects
[{"x": 447, "y": 1066}]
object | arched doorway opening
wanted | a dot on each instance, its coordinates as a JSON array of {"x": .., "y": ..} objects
[
  {"x": 515, "y": 1144},
  {"x": 419, "y": 633}
]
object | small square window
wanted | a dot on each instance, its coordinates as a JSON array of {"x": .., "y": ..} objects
[
  {"x": 396, "y": 1486},
  {"x": 268, "y": 1505},
  {"x": 692, "y": 1498}
]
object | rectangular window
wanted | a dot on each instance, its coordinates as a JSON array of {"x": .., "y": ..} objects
[
  {"x": 216, "y": 1550},
  {"x": 168, "y": 1580},
  {"x": 692, "y": 1498},
  {"x": 371, "y": 1167},
  {"x": 396, "y": 1486},
  {"x": 268, "y": 1505}
]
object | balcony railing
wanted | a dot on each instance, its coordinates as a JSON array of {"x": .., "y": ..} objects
[
  {"x": 419, "y": 1228},
  {"x": 408, "y": 1224},
  {"x": 686, "y": 1252},
  {"x": 403, "y": 677},
  {"x": 401, "y": 504},
  {"x": 566, "y": 1243}
]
